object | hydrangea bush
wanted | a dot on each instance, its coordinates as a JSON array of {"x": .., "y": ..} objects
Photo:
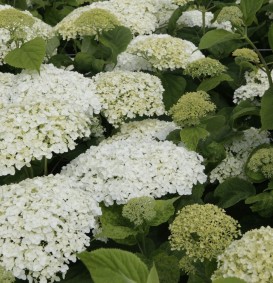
[{"x": 136, "y": 141}]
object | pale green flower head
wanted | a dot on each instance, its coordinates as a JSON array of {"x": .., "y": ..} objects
[
  {"x": 139, "y": 210},
  {"x": 12, "y": 18},
  {"x": 262, "y": 161},
  {"x": 204, "y": 67},
  {"x": 6, "y": 276},
  {"x": 95, "y": 21},
  {"x": 191, "y": 107},
  {"x": 232, "y": 14},
  {"x": 202, "y": 232},
  {"x": 249, "y": 258},
  {"x": 246, "y": 54}
]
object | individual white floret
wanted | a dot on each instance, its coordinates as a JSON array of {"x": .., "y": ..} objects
[
  {"x": 124, "y": 95},
  {"x": 44, "y": 223},
  {"x": 125, "y": 169},
  {"x": 237, "y": 154}
]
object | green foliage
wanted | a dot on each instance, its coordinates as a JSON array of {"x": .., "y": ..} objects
[
  {"x": 249, "y": 9},
  {"x": 270, "y": 36},
  {"x": 211, "y": 83},
  {"x": 29, "y": 56},
  {"x": 153, "y": 276},
  {"x": 116, "y": 39},
  {"x": 174, "y": 87},
  {"x": 116, "y": 266},
  {"x": 266, "y": 110},
  {"x": 262, "y": 203},
  {"x": 215, "y": 37},
  {"x": 191, "y": 136},
  {"x": 233, "y": 190}
]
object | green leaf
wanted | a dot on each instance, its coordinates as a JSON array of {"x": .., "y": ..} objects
[
  {"x": 114, "y": 225},
  {"x": 262, "y": 203},
  {"x": 29, "y": 56},
  {"x": 212, "y": 151},
  {"x": 164, "y": 210},
  {"x": 213, "y": 123},
  {"x": 115, "y": 266},
  {"x": 216, "y": 36},
  {"x": 116, "y": 39},
  {"x": 195, "y": 197},
  {"x": 174, "y": 88},
  {"x": 174, "y": 18},
  {"x": 83, "y": 62},
  {"x": 266, "y": 110},
  {"x": 191, "y": 136},
  {"x": 211, "y": 83},
  {"x": 229, "y": 280},
  {"x": 153, "y": 276},
  {"x": 60, "y": 60},
  {"x": 249, "y": 9},
  {"x": 233, "y": 190},
  {"x": 51, "y": 45}
]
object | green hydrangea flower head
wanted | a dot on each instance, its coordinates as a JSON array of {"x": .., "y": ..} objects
[
  {"x": 249, "y": 258},
  {"x": 232, "y": 14},
  {"x": 204, "y": 67},
  {"x": 139, "y": 210},
  {"x": 246, "y": 54},
  {"x": 262, "y": 161},
  {"x": 202, "y": 232},
  {"x": 12, "y": 18},
  {"x": 191, "y": 107},
  {"x": 95, "y": 21},
  {"x": 6, "y": 276}
]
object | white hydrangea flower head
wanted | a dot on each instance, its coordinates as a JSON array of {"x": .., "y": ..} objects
[
  {"x": 237, "y": 154},
  {"x": 164, "y": 13},
  {"x": 126, "y": 169},
  {"x": 193, "y": 18},
  {"x": 54, "y": 83},
  {"x": 6, "y": 84},
  {"x": 249, "y": 258},
  {"x": 148, "y": 128},
  {"x": 38, "y": 129},
  {"x": 101, "y": 17},
  {"x": 256, "y": 84},
  {"x": 163, "y": 51},
  {"x": 20, "y": 26},
  {"x": 43, "y": 225},
  {"x": 126, "y": 94},
  {"x": 182, "y": 2}
]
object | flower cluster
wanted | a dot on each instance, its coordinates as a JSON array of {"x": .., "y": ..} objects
[
  {"x": 204, "y": 67},
  {"x": 54, "y": 84},
  {"x": 43, "y": 224},
  {"x": 237, "y": 154},
  {"x": 126, "y": 94},
  {"x": 191, "y": 107},
  {"x": 181, "y": 2},
  {"x": 163, "y": 51},
  {"x": 152, "y": 128},
  {"x": 249, "y": 258},
  {"x": 246, "y": 54},
  {"x": 256, "y": 85},
  {"x": 19, "y": 26},
  {"x": 6, "y": 276},
  {"x": 232, "y": 14},
  {"x": 36, "y": 129},
  {"x": 202, "y": 232},
  {"x": 126, "y": 169},
  {"x": 88, "y": 20},
  {"x": 262, "y": 161},
  {"x": 139, "y": 210}
]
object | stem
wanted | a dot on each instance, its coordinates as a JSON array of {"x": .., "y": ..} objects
[
  {"x": 45, "y": 166},
  {"x": 267, "y": 71}
]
